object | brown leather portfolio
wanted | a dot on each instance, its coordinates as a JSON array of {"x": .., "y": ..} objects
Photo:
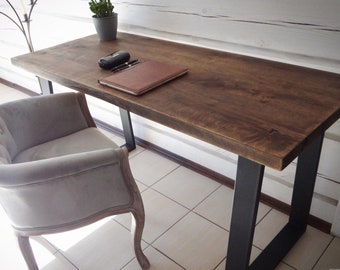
[{"x": 143, "y": 77}]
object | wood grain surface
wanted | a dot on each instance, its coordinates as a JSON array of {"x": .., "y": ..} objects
[{"x": 262, "y": 110}]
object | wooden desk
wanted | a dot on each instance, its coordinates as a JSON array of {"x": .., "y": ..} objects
[{"x": 266, "y": 112}]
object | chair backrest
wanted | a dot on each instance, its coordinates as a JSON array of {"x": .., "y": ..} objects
[{"x": 32, "y": 121}]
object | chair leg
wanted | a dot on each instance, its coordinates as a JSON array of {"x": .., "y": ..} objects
[
  {"x": 137, "y": 226},
  {"x": 27, "y": 252},
  {"x": 137, "y": 211}
]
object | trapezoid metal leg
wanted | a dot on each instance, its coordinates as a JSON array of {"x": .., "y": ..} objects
[
  {"x": 45, "y": 86},
  {"x": 127, "y": 129},
  {"x": 246, "y": 200},
  {"x": 305, "y": 177}
]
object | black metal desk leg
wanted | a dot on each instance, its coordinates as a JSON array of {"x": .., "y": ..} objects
[
  {"x": 301, "y": 201},
  {"x": 127, "y": 128},
  {"x": 246, "y": 201},
  {"x": 305, "y": 177},
  {"x": 45, "y": 86}
]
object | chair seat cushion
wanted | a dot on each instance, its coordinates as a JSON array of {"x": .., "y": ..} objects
[{"x": 86, "y": 140}]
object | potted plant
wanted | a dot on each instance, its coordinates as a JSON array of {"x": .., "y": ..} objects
[{"x": 105, "y": 20}]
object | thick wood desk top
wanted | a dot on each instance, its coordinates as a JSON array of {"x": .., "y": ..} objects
[{"x": 262, "y": 110}]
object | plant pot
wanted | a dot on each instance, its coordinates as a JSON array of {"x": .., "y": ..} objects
[{"x": 106, "y": 27}]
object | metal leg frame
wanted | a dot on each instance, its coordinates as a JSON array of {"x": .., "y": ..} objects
[
  {"x": 246, "y": 200},
  {"x": 127, "y": 128},
  {"x": 45, "y": 86}
]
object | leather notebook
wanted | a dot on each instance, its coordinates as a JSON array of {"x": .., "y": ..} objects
[{"x": 143, "y": 77}]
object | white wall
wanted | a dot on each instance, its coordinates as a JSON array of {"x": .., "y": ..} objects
[{"x": 303, "y": 32}]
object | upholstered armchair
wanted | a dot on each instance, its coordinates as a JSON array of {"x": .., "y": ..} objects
[{"x": 59, "y": 172}]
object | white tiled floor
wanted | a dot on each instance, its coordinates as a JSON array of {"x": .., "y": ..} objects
[{"x": 187, "y": 223}]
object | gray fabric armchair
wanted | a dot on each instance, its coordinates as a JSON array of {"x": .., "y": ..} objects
[{"x": 59, "y": 172}]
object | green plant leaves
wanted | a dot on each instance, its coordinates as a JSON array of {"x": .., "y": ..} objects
[{"x": 101, "y": 8}]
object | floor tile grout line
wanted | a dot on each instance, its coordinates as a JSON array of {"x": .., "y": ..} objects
[
  {"x": 165, "y": 255},
  {"x": 150, "y": 244},
  {"x": 170, "y": 172},
  {"x": 158, "y": 237},
  {"x": 290, "y": 266},
  {"x": 189, "y": 211},
  {"x": 192, "y": 210},
  {"x": 162, "y": 177},
  {"x": 264, "y": 216},
  {"x": 61, "y": 253},
  {"x": 207, "y": 196},
  {"x": 220, "y": 263},
  {"x": 134, "y": 257},
  {"x": 212, "y": 222},
  {"x": 159, "y": 192},
  {"x": 42, "y": 241},
  {"x": 162, "y": 234},
  {"x": 169, "y": 198},
  {"x": 323, "y": 253}
]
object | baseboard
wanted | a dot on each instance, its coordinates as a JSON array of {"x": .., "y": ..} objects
[{"x": 18, "y": 87}]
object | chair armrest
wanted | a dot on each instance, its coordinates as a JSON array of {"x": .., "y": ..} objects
[
  {"x": 35, "y": 172},
  {"x": 60, "y": 192}
]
